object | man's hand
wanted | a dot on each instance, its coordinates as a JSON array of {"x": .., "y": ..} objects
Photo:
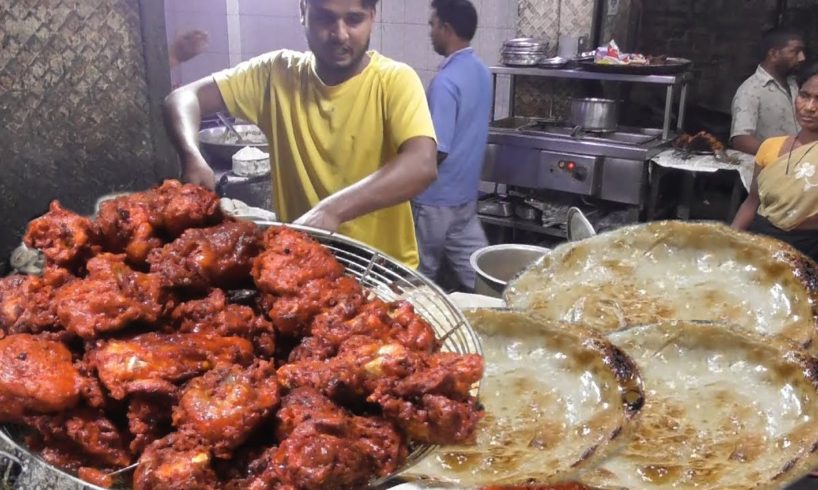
[
  {"x": 197, "y": 171},
  {"x": 186, "y": 46},
  {"x": 321, "y": 216}
]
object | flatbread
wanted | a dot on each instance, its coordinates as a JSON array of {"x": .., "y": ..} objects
[
  {"x": 674, "y": 270},
  {"x": 557, "y": 400},
  {"x": 724, "y": 409}
]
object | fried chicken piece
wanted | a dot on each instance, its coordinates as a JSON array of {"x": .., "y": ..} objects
[
  {"x": 401, "y": 381},
  {"x": 290, "y": 260},
  {"x": 300, "y": 405},
  {"x": 340, "y": 452},
  {"x": 87, "y": 433},
  {"x": 183, "y": 206},
  {"x": 378, "y": 438},
  {"x": 227, "y": 404},
  {"x": 36, "y": 376},
  {"x": 94, "y": 476},
  {"x": 388, "y": 322},
  {"x": 130, "y": 224},
  {"x": 137, "y": 223},
  {"x": 112, "y": 297},
  {"x": 334, "y": 299},
  {"x": 214, "y": 315},
  {"x": 27, "y": 302},
  {"x": 65, "y": 238},
  {"x": 179, "y": 461},
  {"x": 149, "y": 418},
  {"x": 201, "y": 258},
  {"x": 252, "y": 469},
  {"x": 155, "y": 363}
]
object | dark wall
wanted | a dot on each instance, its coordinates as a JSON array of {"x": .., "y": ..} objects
[
  {"x": 79, "y": 90},
  {"x": 722, "y": 37}
]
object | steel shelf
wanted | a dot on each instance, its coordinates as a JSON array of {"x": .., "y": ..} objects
[
  {"x": 524, "y": 225},
  {"x": 579, "y": 74}
]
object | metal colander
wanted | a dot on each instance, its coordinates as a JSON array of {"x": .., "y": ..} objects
[{"x": 384, "y": 276}]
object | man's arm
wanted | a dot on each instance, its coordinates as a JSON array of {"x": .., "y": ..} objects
[
  {"x": 183, "y": 110},
  {"x": 401, "y": 179},
  {"x": 745, "y": 109},
  {"x": 746, "y": 143}
]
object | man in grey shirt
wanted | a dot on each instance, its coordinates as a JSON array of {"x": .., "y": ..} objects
[{"x": 763, "y": 106}]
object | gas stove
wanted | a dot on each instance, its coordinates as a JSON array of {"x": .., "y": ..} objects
[{"x": 549, "y": 155}]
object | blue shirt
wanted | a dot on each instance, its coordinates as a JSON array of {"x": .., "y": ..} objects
[{"x": 460, "y": 100}]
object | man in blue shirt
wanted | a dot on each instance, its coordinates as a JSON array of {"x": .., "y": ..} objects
[{"x": 459, "y": 96}]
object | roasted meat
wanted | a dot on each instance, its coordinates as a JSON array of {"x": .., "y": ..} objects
[
  {"x": 65, "y": 238},
  {"x": 183, "y": 206},
  {"x": 201, "y": 258},
  {"x": 87, "y": 433},
  {"x": 395, "y": 322},
  {"x": 339, "y": 452},
  {"x": 214, "y": 315},
  {"x": 37, "y": 376},
  {"x": 290, "y": 260},
  {"x": 149, "y": 418},
  {"x": 137, "y": 223},
  {"x": 426, "y": 395},
  {"x": 334, "y": 300},
  {"x": 179, "y": 461},
  {"x": 27, "y": 302},
  {"x": 112, "y": 297},
  {"x": 227, "y": 404},
  {"x": 155, "y": 363}
]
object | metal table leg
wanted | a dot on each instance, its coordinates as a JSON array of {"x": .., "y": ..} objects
[
  {"x": 686, "y": 199},
  {"x": 682, "y": 108},
  {"x": 668, "y": 108}
]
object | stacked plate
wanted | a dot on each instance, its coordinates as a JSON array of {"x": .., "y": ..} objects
[{"x": 524, "y": 51}]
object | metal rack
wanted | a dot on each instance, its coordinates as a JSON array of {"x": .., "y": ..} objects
[{"x": 671, "y": 81}]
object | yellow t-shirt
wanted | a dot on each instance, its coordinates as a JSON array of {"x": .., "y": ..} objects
[{"x": 325, "y": 138}]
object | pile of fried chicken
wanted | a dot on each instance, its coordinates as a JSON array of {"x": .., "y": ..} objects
[{"x": 216, "y": 354}]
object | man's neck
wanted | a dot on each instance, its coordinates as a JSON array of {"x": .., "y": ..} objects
[
  {"x": 335, "y": 76},
  {"x": 775, "y": 72},
  {"x": 456, "y": 46}
]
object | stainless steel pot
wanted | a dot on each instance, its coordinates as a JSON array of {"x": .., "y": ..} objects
[
  {"x": 592, "y": 114},
  {"x": 495, "y": 265},
  {"x": 220, "y": 145}
]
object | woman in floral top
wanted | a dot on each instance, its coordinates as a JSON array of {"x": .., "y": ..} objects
[{"x": 783, "y": 199}]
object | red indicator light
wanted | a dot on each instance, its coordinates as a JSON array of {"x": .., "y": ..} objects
[{"x": 571, "y": 165}]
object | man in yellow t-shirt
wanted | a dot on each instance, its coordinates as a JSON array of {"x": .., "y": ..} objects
[{"x": 350, "y": 134}]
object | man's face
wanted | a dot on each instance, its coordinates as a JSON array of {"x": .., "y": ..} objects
[
  {"x": 790, "y": 57},
  {"x": 437, "y": 34},
  {"x": 338, "y": 31}
]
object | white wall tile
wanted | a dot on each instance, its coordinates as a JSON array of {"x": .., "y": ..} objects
[
  {"x": 418, "y": 46},
  {"x": 263, "y": 33},
  {"x": 417, "y": 11},
  {"x": 375, "y": 38},
  {"x": 203, "y": 65},
  {"x": 281, "y": 8},
  {"x": 393, "y": 41},
  {"x": 199, "y": 6},
  {"x": 393, "y": 11}
]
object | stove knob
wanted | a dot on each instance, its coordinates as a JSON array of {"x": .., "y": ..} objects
[{"x": 580, "y": 174}]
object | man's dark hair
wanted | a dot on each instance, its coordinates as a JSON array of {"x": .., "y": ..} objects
[
  {"x": 460, "y": 14},
  {"x": 778, "y": 38},
  {"x": 807, "y": 73},
  {"x": 368, "y": 4}
]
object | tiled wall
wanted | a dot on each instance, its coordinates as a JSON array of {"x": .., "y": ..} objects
[{"x": 401, "y": 32}]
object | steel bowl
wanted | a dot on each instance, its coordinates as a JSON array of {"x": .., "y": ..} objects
[
  {"x": 219, "y": 144},
  {"x": 496, "y": 265}
]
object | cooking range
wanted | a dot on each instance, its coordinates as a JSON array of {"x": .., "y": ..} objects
[{"x": 540, "y": 155}]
